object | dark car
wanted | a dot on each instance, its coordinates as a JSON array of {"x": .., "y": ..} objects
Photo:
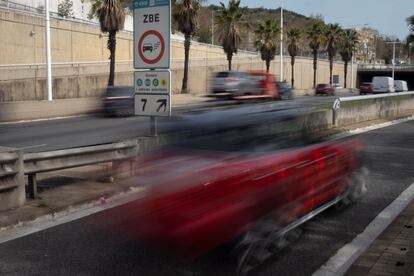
[
  {"x": 285, "y": 91},
  {"x": 119, "y": 101},
  {"x": 325, "y": 89},
  {"x": 366, "y": 88}
]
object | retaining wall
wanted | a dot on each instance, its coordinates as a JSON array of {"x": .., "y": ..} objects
[{"x": 75, "y": 42}]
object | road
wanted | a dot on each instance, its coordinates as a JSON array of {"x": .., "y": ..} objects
[
  {"x": 97, "y": 244},
  {"x": 92, "y": 130}
]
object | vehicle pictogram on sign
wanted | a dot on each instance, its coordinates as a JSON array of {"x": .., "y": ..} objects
[{"x": 151, "y": 47}]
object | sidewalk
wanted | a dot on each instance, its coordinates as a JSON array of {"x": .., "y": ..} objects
[{"x": 393, "y": 251}]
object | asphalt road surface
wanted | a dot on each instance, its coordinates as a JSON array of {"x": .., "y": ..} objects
[
  {"x": 92, "y": 130},
  {"x": 98, "y": 244}
]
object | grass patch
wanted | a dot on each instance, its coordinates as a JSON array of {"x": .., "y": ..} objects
[{"x": 42, "y": 205}]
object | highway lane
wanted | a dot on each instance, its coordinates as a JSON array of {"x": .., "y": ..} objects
[
  {"x": 98, "y": 245},
  {"x": 91, "y": 130}
]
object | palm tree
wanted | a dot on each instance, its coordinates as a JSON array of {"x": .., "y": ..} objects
[
  {"x": 349, "y": 41},
  {"x": 333, "y": 37},
  {"x": 266, "y": 35},
  {"x": 293, "y": 35},
  {"x": 186, "y": 15},
  {"x": 111, "y": 16},
  {"x": 316, "y": 39},
  {"x": 229, "y": 20},
  {"x": 410, "y": 23}
]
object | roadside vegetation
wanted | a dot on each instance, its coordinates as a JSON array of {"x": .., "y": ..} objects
[
  {"x": 185, "y": 13},
  {"x": 111, "y": 15}
]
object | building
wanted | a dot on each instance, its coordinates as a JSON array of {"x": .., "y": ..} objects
[
  {"x": 366, "y": 49},
  {"x": 81, "y": 9}
]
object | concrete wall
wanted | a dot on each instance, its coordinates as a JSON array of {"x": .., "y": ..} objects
[
  {"x": 74, "y": 42},
  {"x": 12, "y": 189},
  {"x": 375, "y": 109}
]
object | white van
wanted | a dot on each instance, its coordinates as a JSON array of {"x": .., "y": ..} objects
[
  {"x": 383, "y": 85},
  {"x": 400, "y": 86}
]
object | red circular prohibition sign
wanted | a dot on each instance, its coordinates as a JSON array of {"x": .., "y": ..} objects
[{"x": 141, "y": 40}]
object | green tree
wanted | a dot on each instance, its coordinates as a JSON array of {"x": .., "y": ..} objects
[
  {"x": 294, "y": 36},
  {"x": 410, "y": 23},
  {"x": 349, "y": 41},
  {"x": 315, "y": 35},
  {"x": 333, "y": 35},
  {"x": 65, "y": 8},
  {"x": 96, "y": 4},
  {"x": 229, "y": 19},
  {"x": 185, "y": 12},
  {"x": 266, "y": 39},
  {"x": 410, "y": 38},
  {"x": 111, "y": 17}
]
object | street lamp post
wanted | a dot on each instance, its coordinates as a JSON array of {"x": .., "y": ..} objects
[
  {"x": 393, "y": 57},
  {"x": 212, "y": 26},
  {"x": 48, "y": 52},
  {"x": 281, "y": 42}
]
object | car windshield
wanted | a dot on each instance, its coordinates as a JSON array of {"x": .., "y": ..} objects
[{"x": 223, "y": 75}]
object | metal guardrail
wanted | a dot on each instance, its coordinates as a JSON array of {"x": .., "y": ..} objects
[
  {"x": 22, "y": 65},
  {"x": 35, "y": 163},
  {"x": 384, "y": 67},
  {"x": 10, "y": 170}
]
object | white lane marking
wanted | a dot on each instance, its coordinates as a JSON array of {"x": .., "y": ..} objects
[
  {"x": 381, "y": 125},
  {"x": 43, "y": 119},
  {"x": 51, "y": 220},
  {"x": 348, "y": 254},
  {"x": 32, "y": 146}
]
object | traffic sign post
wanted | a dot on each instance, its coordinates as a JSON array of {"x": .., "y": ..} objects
[
  {"x": 152, "y": 49},
  {"x": 152, "y": 20}
]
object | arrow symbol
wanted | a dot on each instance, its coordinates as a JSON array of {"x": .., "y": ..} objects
[{"x": 163, "y": 104}]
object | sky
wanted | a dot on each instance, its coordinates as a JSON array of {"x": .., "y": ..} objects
[{"x": 386, "y": 16}]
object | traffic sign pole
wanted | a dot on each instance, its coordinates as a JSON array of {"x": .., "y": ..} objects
[
  {"x": 154, "y": 126},
  {"x": 152, "y": 50}
]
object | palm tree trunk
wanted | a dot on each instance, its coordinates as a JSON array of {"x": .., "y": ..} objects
[
  {"x": 112, "y": 49},
  {"x": 229, "y": 57},
  {"x": 315, "y": 66},
  {"x": 330, "y": 69},
  {"x": 345, "y": 72},
  {"x": 267, "y": 65},
  {"x": 187, "y": 43},
  {"x": 292, "y": 62}
]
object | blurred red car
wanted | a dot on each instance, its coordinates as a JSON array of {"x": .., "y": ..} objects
[
  {"x": 217, "y": 182},
  {"x": 325, "y": 89},
  {"x": 266, "y": 87},
  {"x": 366, "y": 88}
]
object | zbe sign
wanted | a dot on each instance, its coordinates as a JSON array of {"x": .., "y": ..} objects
[{"x": 152, "y": 34}]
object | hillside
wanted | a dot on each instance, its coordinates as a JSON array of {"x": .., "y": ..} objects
[{"x": 254, "y": 16}]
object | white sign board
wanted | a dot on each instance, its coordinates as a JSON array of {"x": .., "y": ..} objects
[
  {"x": 152, "y": 34},
  {"x": 152, "y": 93}
]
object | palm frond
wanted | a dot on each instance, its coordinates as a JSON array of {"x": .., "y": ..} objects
[{"x": 111, "y": 16}]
